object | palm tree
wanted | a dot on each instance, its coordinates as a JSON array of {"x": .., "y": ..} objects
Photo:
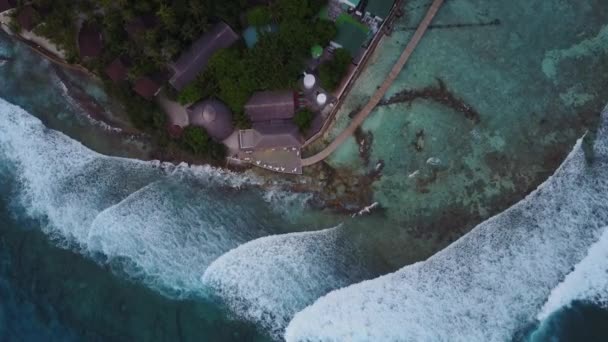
[
  {"x": 166, "y": 15},
  {"x": 197, "y": 8}
]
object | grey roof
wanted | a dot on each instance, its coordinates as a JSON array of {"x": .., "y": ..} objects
[
  {"x": 380, "y": 8},
  {"x": 270, "y": 135},
  {"x": 195, "y": 59},
  {"x": 271, "y": 105},
  {"x": 214, "y": 116}
]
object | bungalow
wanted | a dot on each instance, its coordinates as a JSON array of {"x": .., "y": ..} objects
[
  {"x": 271, "y": 106},
  {"x": 147, "y": 87},
  {"x": 28, "y": 17},
  {"x": 271, "y": 113},
  {"x": 90, "y": 40},
  {"x": 195, "y": 59},
  {"x": 6, "y": 5},
  {"x": 214, "y": 117},
  {"x": 268, "y": 135},
  {"x": 118, "y": 70}
]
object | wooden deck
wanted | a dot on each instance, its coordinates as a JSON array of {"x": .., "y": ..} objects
[{"x": 379, "y": 94}]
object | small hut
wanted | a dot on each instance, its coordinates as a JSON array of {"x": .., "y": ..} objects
[
  {"x": 90, "y": 40},
  {"x": 147, "y": 87},
  {"x": 28, "y": 17},
  {"x": 118, "y": 70},
  {"x": 214, "y": 116}
]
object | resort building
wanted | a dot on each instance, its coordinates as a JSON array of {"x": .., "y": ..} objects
[
  {"x": 90, "y": 41},
  {"x": 118, "y": 70},
  {"x": 6, "y": 5},
  {"x": 271, "y": 106},
  {"x": 352, "y": 35},
  {"x": 214, "y": 116},
  {"x": 193, "y": 61},
  {"x": 270, "y": 135},
  {"x": 274, "y": 141},
  {"x": 379, "y": 9},
  {"x": 349, "y": 3},
  {"x": 147, "y": 87}
]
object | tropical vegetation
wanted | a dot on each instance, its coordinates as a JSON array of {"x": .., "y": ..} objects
[
  {"x": 331, "y": 73},
  {"x": 275, "y": 62}
]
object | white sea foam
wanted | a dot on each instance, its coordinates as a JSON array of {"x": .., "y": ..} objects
[
  {"x": 289, "y": 204},
  {"x": 486, "y": 285},
  {"x": 366, "y": 210},
  {"x": 588, "y": 281},
  {"x": 59, "y": 82},
  {"x": 167, "y": 222},
  {"x": 268, "y": 280}
]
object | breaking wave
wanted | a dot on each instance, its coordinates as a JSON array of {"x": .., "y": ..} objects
[
  {"x": 489, "y": 283},
  {"x": 270, "y": 279},
  {"x": 587, "y": 282},
  {"x": 160, "y": 222}
]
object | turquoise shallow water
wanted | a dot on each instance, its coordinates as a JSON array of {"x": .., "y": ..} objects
[
  {"x": 536, "y": 79},
  {"x": 113, "y": 249}
]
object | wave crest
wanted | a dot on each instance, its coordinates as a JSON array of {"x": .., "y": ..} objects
[
  {"x": 167, "y": 221},
  {"x": 268, "y": 280},
  {"x": 486, "y": 285}
]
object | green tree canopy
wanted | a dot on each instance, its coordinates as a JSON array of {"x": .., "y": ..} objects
[
  {"x": 196, "y": 140},
  {"x": 259, "y": 16},
  {"x": 290, "y": 10},
  {"x": 325, "y": 31},
  {"x": 332, "y": 72},
  {"x": 303, "y": 119}
]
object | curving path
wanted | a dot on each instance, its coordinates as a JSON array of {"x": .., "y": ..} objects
[{"x": 379, "y": 94}]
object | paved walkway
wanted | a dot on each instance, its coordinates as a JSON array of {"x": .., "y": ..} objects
[{"x": 379, "y": 94}]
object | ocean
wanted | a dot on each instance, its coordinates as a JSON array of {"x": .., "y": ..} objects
[{"x": 96, "y": 245}]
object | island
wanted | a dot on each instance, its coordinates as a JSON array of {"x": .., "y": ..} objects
[{"x": 250, "y": 83}]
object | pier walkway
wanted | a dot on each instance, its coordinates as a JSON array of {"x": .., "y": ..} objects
[{"x": 381, "y": 91}]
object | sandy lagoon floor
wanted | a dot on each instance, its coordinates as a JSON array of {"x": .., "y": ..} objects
[{"x": 534, "y": 73}]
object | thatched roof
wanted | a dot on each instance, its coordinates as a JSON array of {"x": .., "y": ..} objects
[
  {"x": 6, "y": 5},
  {"x": 214, "y": 116},
  {"x": 90, "y": 41},
  {"x": 147, "y": 87},
  {"x": 195, "y": 59},
  {"x": 271, "y": 105},
  {"x": 270, "y": 135},
  {"x": 28, "y": 17},
  {"x": 117, "y": 70}
]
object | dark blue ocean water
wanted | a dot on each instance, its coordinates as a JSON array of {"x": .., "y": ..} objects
[
  {"x": 581, "y": 321},
  {"x": 52, "y": 293}
]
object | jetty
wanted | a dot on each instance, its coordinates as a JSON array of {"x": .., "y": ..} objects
[{"x": 381, "y": 91}]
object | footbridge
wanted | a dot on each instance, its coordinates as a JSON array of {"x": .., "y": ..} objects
[{"x": 381, "y": 91}]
